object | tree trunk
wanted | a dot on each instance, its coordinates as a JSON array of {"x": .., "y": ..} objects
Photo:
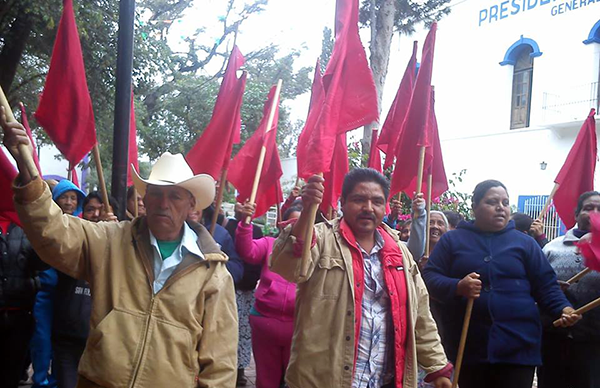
[
  {"x": 13, "y": 49},
  {"x": 382, "y": 30}
]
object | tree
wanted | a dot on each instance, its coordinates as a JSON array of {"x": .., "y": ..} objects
[
  {"x": 174, "y": 91},
  {"x": 384, "y": 18}
]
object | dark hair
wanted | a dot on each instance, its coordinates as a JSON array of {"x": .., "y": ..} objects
[
  {"x": 454, "y": 218},
  {"x": 483, "y": 187},
  {"x": 112, "y": 201},
  {"x": 582, "y": 199},
  {"x": 207, "y": 215},
  {"x": 359, "y": 175},
  {"x": 522, "y": 222},
  {"x": 130, "y": 191},
  {"x": 90, "y": 196},
  {"x": 294, "y": 208}
]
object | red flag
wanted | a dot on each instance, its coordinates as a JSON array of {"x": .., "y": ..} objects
[
  {"x": 36, "y": 160},
  {"x": 577, "y": 174},
  {"x": 8, "y": 173},
  {"x": 392, "y": 127},
  {"x": 303, "y": 153},
  {"x": 350, "y": 98},
  {"x": 416, "y": 130},
  {"x": 334, "y": 178},
  {"x": 436, "y": 168},
  {"x": 211, "y": 153},
  {"x": 74, "y": 177},
  {"x": 590, "y": 250},
  {"x": 243, "y": 167},
  {"x": 65, "y": 111},
  {"x": 133, "y": 148},
  {"x": 374, "y": 157}
]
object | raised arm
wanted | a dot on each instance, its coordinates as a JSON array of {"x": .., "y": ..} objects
[{"x": 250, "y": 250}]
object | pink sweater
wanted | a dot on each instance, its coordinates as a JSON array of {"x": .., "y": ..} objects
[{"x": 275, "y": 296}]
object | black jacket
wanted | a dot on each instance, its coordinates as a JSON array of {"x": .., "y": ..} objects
[
  {"x": 251, "y": 272},
  {"x": 72, "y": 309},
  {"x": 19, "y": 265}
]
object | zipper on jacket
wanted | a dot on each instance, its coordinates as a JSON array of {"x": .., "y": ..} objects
[{"x": 144, "y": 340}]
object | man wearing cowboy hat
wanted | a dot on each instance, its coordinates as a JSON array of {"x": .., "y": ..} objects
[{"x": 163, "y": 304}]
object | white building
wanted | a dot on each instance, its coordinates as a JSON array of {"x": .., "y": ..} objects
[{"x": 514, "y": 81}]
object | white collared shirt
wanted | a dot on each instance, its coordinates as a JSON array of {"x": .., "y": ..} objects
[{"x": 164, "y": 268}]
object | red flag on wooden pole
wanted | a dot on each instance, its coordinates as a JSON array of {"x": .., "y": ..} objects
[
  {"x": 436, "y": 166},
  {"x": 211, "y": 153},
  {"x": 65, "y": 110},
  {"x": 416, "y": 130},
  {"x": 350, "y": 98},
  {"x": 577, "y": 173},
  {"x": 374, "y": 157},
  {"x": 303, "y": 153},
  {"x": 334, "y": 178},
  {"x": 392, "y": 127},
  {"x": 243, "y": 167}
]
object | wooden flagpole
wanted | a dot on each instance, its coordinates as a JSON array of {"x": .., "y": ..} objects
[
  {"x": 70, "y": 174},
  {"x": 101, "y": 182},
  {"x": 420, "y": 169},
  {"x": 312, "y": 215},
  {"x": 428, "y": 210},
  {"x": 26, "y": 156},
  {"x": 463, "y": 341},
  {"x": 592, "y": 305},
  {"x": 578, "y": 276},
  {"x": 136, "y": 209},
  {"x": 215, "y": 216},
  {"x": 548, "y": 201},
  {"x": 263, "y": 150}
]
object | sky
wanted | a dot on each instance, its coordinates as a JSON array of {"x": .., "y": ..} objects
[{"x": 288, "y": 24}]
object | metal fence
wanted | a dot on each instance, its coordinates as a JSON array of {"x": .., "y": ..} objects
[
  {"x": 553, "y": 226},
  {"x": 570, "y": 104}
]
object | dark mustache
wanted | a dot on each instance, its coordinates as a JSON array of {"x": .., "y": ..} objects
[{"x": 367, "y": 215}]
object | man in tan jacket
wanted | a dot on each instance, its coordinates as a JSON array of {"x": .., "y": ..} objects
[
  {"x": 362, "y": 312},
  {"x": 163, "y": 303}
]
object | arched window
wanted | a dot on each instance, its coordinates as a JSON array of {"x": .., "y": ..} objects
[
  {"x": 594, "y": 36},
  {"x": 521, "y": 89},
  {"x": 520, "y": 55}
]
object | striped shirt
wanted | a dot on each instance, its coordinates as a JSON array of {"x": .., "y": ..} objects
[{"x": 374, "y": 367}]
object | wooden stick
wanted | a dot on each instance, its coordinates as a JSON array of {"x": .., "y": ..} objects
[
  {"x": 578, "y": 276},
  {"x": 101, "y": 183},
  {"x": 263, "y": 150},
  {"x": 215, "y": 216},
  {"x": 312, "y": 215},
  {"x": 428, "y": 210},
  {"x": 297, "y": 181},
  {"x": 463, "y": 341},
  {"x": 548, "y": 202},
  {"x": 592, "y": 305},
  {"x": 420, "y": 169},
  {"x": 70, "y": 173},
  {"x": 330, "y": 213},
  {"x": 136, "y": 209},
  {"x": 26, "y": 156}
]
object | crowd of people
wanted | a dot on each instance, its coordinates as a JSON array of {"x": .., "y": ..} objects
[{"x": 157, "y": 300}]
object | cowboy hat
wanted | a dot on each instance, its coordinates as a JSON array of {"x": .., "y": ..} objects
[{"x": 173, "y": 170}]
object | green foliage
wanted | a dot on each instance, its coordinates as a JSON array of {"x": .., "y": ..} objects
[
  {"x": 453, "y": 199},
  {"x": 409, "y": 13},
  {"x": 174, "y": 93},
  {"x": 326, "y": 47}
]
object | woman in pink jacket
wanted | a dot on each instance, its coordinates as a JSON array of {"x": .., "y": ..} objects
[{"x": 272, "y": 316}]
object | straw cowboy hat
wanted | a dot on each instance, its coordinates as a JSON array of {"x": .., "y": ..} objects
[{"x": 173, "y": 170}]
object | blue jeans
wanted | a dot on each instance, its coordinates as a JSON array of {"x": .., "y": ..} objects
[{"x": 41, "y": 346}]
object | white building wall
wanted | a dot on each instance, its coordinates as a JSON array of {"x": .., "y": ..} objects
[{"x": 473, "y": 91}]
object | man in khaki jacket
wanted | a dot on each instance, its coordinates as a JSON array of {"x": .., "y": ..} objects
[
  {"x": 362, "y": 312},
  {"x": 163, "y": 303}
]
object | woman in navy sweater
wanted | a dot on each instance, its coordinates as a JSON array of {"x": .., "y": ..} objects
[{"x": 507, "y": 274}]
